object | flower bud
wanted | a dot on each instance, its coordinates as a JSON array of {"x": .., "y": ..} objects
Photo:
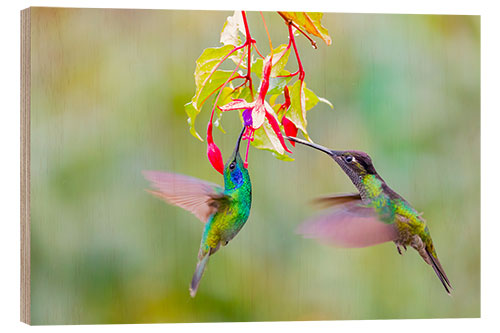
[
  {"x": 290, "y": 128},
  {"x": 215, "y": 157}
]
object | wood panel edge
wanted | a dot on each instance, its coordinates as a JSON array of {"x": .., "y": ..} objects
[{"x": 25, "y": 166}]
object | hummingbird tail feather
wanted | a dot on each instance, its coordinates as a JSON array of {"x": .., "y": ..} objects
[
  {"x": 436, "y": 265},
  {"x": 198, "y": 273}
]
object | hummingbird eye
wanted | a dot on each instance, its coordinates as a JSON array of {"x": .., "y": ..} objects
[
  {"x": 232, "y": 166},
  {"x": 349, "y": 159}
]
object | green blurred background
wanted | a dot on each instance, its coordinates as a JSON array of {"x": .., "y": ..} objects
[{"x": 108, "y": 89}]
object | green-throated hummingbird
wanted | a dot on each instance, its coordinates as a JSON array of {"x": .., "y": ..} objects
[
  {"x": 223, "y": 210},
  {"x": 375, "y": 215}
]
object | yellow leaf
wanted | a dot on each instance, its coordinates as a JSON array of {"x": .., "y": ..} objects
[{"x": 310, "y": 22}]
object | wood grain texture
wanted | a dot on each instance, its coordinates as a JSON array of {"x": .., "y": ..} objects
[
  {"x": 25, "y": 165},
  {"x": 107, "y": 89}
]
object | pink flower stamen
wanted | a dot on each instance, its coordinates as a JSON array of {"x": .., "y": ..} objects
[{"x": 245, "y": 164}]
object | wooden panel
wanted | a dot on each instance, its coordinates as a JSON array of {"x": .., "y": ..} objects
[{"x": 25, "y": 165}]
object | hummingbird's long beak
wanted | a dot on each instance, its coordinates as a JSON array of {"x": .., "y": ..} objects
[
  {"x": 237, "y": 148},
  {"x": 330, "y": 152}
]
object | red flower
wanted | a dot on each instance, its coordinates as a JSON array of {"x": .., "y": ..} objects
[
  {"x": 257, "y": 111},
  {"x": 213, "y": 152},
  {"x": 290, "y": 128},
  {"x": 288, "y": 125}
]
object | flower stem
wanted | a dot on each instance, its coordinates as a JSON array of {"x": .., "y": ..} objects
[
  {"x": 302, "y": 74},
  {"x": 245, "y": 164},
  {"x": 223, "y": 85},
  {"x": 209, "y": 127},
  {"x": 217, "y": 66},
  {"x": 248, "y": 43},
  {"x": 267, "y": 31},
  {"x": 289, "y": 75},
  {"x": 258, "y": 52}
]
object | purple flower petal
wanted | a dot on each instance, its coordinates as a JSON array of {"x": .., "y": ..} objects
[{"x": 247, "y": 117}]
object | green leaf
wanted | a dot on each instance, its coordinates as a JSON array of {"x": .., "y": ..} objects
[
  {"x": 266, "y": 139},
  {"x": 302, "y": 99},
  {"x": 210, "y": 88},
  {"x": 244, "y": 93},
  {"x": 207, "y": 79},
  {"x": 311, "y": 98},
  {"x": 327, "y": 102},
  {"x": 213, "y": 85},
  {"x": 206, "y": 76},
  {"x": 226, "y": 96},
  {"x": 275, "y": 106},
  {"x": 257, "y": 66},
  {"x": 283, "y": 157},
  {"x": 217, "y": 122},
  {"x": 280, "y": 59},
  {"x": 192, "y": 112},
  {"x": 272, "y": 100},
  {"x": 277, "y": 84},
  {"x": 236, "y": 57},
  {"x": 297, "y": 111},
  {"x": 311, "y": 23},
  {"x": 208, "y": 61}
]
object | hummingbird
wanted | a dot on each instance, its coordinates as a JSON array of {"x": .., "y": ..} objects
[
  {"x": 374, "y": 215},
  {"x": 223, "y": 210}
]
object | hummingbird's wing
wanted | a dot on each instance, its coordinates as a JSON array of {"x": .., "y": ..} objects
[
  {"x": 194, "y": 195},
  {"x": 350, "y": 225},
  {"x": 338, "y": 199}
]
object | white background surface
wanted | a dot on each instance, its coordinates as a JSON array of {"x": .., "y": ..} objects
[{"x": 490, "y": 161}]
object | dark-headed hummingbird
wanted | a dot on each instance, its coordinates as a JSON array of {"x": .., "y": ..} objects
[
  {"x": 375, "y": 215},
  {"x": 223, "y": 210}
]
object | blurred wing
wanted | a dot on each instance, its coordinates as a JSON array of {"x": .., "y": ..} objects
[
  {"x": 351, "y": 226},
  {"x": 194, "y": 195},
  {"x": 338, "y": 199}
]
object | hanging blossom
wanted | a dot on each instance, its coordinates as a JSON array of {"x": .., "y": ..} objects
[
  {"x": 257, "y": 111},
  {"x": 213, "y": 152},
  {"x": 288, "y": 125}
]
